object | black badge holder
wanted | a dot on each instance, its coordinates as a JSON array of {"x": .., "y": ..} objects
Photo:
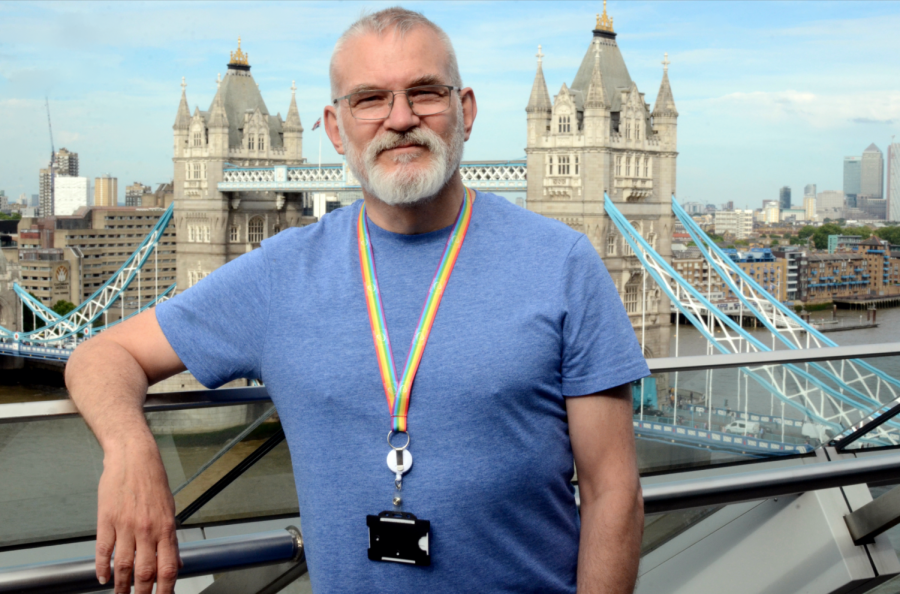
[{"x": 399, "y": 537}]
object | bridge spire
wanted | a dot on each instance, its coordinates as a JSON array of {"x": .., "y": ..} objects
[
  {"x": 665, "y": 102},
  {"x": 596, "y": 96},
  {"x": 183, "y": 118}
]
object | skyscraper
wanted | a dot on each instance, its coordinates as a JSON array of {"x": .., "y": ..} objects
[
  {"x": 134, "y": 192},
  {"x": 809, "y": 190},
  {"x": 851, "y": 179},
  {"x": 871, "y": 178},
  {"x": 784, "y": 198},
  {"x": 46, "y": 189},
  {"x": 66, "y": 163},
  {"x": 893, "y": 183},
  {"x": 106, "y": 191},
  {"x": 69, "y": 194}
]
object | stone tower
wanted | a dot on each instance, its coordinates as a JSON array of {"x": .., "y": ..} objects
[
  {"x": 213, "y": 227},
  {"x": 599, "y": 135}
]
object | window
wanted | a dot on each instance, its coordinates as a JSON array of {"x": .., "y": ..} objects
[
  {"x": 628, "y": 130},
  {"x": 197, "y": 138},
  {"x": 631, "y": 298},
  {"x": 250, "y": 142},
  {"x": 191, "y": 233},
  {"x": 262, "y": 142},
  {"x": 255, "y": 230},
  {"x": 564, "y": 125},
  {"x": 563, "y": 168},
  {"x": 637, "y": 130},
  {"x": 233, "y": 235},
  {"x": 203, "y": 174},
  {"x": 627, "y": 166},
  {"x": 646, "y": 166},
  {"x": 576, "y": 164},
  {"x": 550, "y": 165},
  {"x": 610, "y": 245},
  {"x": 206, "y": 237},
  {"x": 619, "y": 165}
]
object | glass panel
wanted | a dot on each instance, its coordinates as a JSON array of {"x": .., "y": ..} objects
[
  {"x": 660, "y": 528},
  {"x": 51, "y": 468},
  {"x": 265, "y": 489},
  {"x": 880, "y": 383}
]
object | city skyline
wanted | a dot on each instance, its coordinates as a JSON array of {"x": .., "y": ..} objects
[{"x": 753, "y": 117}]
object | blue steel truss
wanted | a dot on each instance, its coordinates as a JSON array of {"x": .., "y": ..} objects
[{"x": 829, "y": 407}]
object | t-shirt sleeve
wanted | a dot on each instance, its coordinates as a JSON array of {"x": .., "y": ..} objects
[
  {"x": 600, "y": 349},
  {"x": 218, "y": 326}
]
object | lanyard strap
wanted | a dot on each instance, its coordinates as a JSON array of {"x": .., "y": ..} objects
[{"x": 398, "y": 393}]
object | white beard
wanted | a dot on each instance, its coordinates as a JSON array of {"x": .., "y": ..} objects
[{"x": 409, "y": 183}]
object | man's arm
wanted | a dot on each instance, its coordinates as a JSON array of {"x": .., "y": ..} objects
[
  {"x": 612, "y": 508},
  {"x": 107, "y": 377}
]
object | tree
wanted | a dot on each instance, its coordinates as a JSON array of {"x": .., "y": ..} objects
[
  {"x": 16, "y": 216},
  {"x": 864, "y": 232},
  {"x": 820, "y": 237},
  {"x": 62, "y": 307},
  {"x": 807, "y": 231},
  {"x": 892, "y": 234},
  {"x": 774, "y": 243}
]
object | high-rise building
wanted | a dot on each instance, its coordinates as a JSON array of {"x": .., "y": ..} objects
[
  {"x": 597, "y": 136},
  {"x": 66, "y": 163},
  {"x": 46, "y": 189},
  {"x": 871, "y": 173},
  {"x": 134, "y": 192},
  {"x": 728, "y": 205},
  {"x": 70, "y": 194},
  {"x": 772, "y": 212},
  {"x": 892, "y": 192},
  {"x": 851, "y": 179},
  {"x": 809, "y": 207},
  {"x": 784, "y": 197},
  {"x": 4, "y": 201},
  {"x": 106, "y": 191},
  {"x": 35, "y": 200},
  {"x": 809, "y": 190},
  {"x": 830, "y": 204}
]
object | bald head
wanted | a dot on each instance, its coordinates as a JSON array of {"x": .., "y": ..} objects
[{"x": 396, "y": 22}]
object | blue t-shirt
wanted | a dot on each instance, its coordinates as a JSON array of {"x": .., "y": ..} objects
[{"x": 529, "y": 316}]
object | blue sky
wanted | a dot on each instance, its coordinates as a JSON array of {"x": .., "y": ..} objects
[{"x": 770, "y": 93}]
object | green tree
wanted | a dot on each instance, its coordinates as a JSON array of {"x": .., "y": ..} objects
[
  {"x": 807, "y": 231},
  {"x": 62, "y": 307},
  {"x": 774, "y": 243},
  {"x": 820, "y": 237},
  {"x": 892, "y": 234},
  {"x": 864, "y": 232},
  {"x": 798, "y": 241},
  {"x": 16, "y": 216}
]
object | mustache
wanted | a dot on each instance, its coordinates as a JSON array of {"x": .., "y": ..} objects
[{"x": 390, "y": 140}]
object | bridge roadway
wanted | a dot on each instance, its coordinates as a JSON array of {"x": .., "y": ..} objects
[{"x": 487, "y": 176}]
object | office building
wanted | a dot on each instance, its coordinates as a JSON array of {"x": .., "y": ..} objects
[
  {"x": 809, "y": 207},
  {"x": 135, "y": 192},
  {"x": 830, "y": 204},
  {"x": 796, "y": 262},
  {"x": 737, "y": 222},
  {"x": 46, "y": 188},
  {"x": 809, "y": 190},
  {"x": 892, "y": 192},
  {"x": 852, "y": 173},
  {"x": 692, "y": 208},
  {"x": 784, "y": 197},
  {"x": 871, "y": 176},
  {"x": 106, "y": 191},
  {"x": 871, "y": 207},
  {"x": 71, "y": 193},
  {"x": 66, "y": 163},
  {"x": 772, "y": 212},
  {"x": 4, "y": 201}
]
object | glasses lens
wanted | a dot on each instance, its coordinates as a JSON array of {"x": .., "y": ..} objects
[
  {"x": 370, "y": 105},
  {"x": 429, "y": 100}
]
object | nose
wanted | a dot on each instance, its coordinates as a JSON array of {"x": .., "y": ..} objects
[{"x": 401, "y": 117}]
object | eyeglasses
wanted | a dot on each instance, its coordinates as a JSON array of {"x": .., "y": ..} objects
[{"x": 377, "y": 104}]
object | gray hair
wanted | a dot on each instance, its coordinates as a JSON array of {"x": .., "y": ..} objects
[{"x": 401, "y": 21}]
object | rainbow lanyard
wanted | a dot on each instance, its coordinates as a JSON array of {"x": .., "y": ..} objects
[{"x": 398, "y": 393}]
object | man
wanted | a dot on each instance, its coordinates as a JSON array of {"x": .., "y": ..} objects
[{"x": 528, "y": 360}]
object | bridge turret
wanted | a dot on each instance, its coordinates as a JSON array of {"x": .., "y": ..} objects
[
  {"x": 293, "y": 131},
  {"x": 218, "y": 128},
  {"x": 539, "y": 108},
  {"x": 665, "y": 126}
]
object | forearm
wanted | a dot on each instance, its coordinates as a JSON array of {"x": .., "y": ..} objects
[
  {"x": 109, "y": 388},
  {"x": 612, "y": 525}
]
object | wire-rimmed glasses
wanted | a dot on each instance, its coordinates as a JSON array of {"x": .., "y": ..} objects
[{"x": 376, "y": 104}]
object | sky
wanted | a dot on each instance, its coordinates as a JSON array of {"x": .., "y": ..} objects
[{"x": 769, "y": 93}]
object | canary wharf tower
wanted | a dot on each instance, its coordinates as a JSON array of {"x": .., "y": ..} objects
[{"x": 599, "y": 135}]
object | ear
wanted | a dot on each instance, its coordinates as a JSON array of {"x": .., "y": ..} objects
[
  {"x": 330, "y": 122},
  {"x": 470, "y": 109}
]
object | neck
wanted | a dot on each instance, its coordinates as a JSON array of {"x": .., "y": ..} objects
[{"x": 430, "y": 215}]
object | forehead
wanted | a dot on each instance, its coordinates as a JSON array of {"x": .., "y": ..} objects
[{"x": 389, "y": 61}]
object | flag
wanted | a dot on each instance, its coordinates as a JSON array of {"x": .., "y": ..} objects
[{"x": 317, "y": 124}]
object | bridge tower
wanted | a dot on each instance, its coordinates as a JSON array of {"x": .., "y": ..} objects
[
  {"x": 213, "y": 227},
  {"x": 597, "y": 136}
]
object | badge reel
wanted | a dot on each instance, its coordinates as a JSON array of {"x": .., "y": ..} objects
[{"x": 397, "y": 536}]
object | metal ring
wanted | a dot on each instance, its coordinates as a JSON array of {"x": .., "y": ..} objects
[{"x": 391, "y": 433}]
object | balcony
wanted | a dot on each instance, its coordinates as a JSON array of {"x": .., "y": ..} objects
[{"x": 735, "y": 480}]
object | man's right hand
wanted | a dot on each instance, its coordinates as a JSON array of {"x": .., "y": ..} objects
[
  {"x": 107, "y": 377},
  {"x": 136, "y": 518}
]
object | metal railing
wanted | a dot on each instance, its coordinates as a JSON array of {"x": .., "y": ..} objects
[{"x": 199, "y": 558}]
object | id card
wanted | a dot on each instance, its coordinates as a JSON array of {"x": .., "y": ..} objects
[{"x": 399, "y": 537}]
